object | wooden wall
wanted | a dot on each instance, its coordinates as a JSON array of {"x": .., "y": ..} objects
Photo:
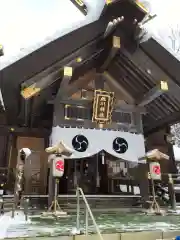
[{"x": 36, "y": 166}]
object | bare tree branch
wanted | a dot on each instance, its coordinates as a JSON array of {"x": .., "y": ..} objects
[
  {"x": 175, "y": 39},
  {"x": 175, "y": 130}
]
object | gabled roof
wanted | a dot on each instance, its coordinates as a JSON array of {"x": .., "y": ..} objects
[
  {"x": 55, "y": 54},
  {"x": 139, "y": 72},
  {"x": 136, "y": 69}
]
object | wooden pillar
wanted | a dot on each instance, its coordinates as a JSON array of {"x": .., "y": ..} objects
[
  {"x": 43, "y": 172},
  {"x": 51, "y": 185},
  {"x": 142, "y": 177},
  {"x": 11, "y": 155},
  {"x": 171, "y": 163},
  {"x": 103, "y": 170},
  {"x": 142, "y": 169}
]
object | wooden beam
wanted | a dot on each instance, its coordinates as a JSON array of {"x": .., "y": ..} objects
[
  {"x": 80, "y": 83},
  {"x": 24, "y": 115},
  {"x": 118, "y": 89},
  {"x": 99, "y": 82},
  {"x": 126, "y": 108},
  {"x": 40, "y": 81},
  {"x": 33, "y": 89},
  {"x": 67, "y": 75},
  {"x": 129, "y": 108},
  {"x": 29, "y": 91},
  {"x": 81, "y": 102},
  {"x": 112, "y": 53},
  {"x": 154, "y": 69},
  {"x": 155, "y": 92},
  {"x": 174, "y": 89},
  {"x": 157, "y": 125},
  {"x": 23, "y": 131}
]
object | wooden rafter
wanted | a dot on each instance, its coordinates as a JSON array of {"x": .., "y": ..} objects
[
  {"x": 117, "y": 88},
  {"x": 112, "y": 53}
]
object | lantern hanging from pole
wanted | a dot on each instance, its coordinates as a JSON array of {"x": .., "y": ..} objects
[
  {"x": 58, "y": 166},
  {"x": 155, "y": 170}
]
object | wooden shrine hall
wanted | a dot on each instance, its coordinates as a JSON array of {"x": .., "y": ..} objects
[{"x": 100, "y": 90}]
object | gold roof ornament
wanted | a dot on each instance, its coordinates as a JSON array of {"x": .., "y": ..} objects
[
  {"x": 60, "y": 148},
  {"x": 141, "y": 5},
  {"x": 1, "y": 50},
  {"x": 108, "y": 2},
  {"x": 155, "y": 155}
]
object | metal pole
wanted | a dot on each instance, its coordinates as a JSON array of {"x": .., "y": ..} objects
[
  {"x": 78, "y": 210},
  {"x": 86, "y": 220},
  {"x": 97, "y": 172},
  {"x": 26, "y": 204},
  {"x": 55, "y": 195},
  {"x": 13, "y": 210},
  {"x": 90, "y": 213}
]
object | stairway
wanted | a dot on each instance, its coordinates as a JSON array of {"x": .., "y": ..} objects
[{"x": 69, "y": 202}]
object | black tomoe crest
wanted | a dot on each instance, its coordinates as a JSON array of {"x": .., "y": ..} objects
[
  {"x": 120, "y": 145},
  {"x": 80, "y": 143}
]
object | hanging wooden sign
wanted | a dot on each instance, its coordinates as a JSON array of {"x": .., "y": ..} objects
[{"x": 102, "y": 106}]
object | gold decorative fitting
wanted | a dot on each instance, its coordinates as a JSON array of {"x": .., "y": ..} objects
[
  {"x": 30, "y": 91},
  {"x": 79, "y": 2},
  {"x": 164, "y": 86},
  {"x": 79, "y": 59},
  {"x": 66, "y": 117},
  {"x": 68, "y": 71},
  {"x": 116, "y": 42},
  {"x": 108, "y": 2},
  {"x": 141, "y": 6}
]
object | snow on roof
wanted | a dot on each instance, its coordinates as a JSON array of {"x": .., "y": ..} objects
[{"x": 36, "y": 23}]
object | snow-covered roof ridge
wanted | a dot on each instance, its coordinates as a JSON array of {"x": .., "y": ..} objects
[
  {"x": 33, "y": 25},
  {"x": 64, "y": 19}
]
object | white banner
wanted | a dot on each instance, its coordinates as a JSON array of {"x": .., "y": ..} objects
[{"x": 89, "y": 142}]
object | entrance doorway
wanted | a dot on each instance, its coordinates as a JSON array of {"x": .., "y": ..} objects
[
  {"x": 79, "y": 172},
  {"x": 85, "y": 174},
  {"x": 91, "y": 174}
]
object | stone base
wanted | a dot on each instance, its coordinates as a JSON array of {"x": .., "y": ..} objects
[
  {"x": 152, "y": 211},
  {"x": 57, "y": 214},
  {"x": 154, "y": 235}
]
